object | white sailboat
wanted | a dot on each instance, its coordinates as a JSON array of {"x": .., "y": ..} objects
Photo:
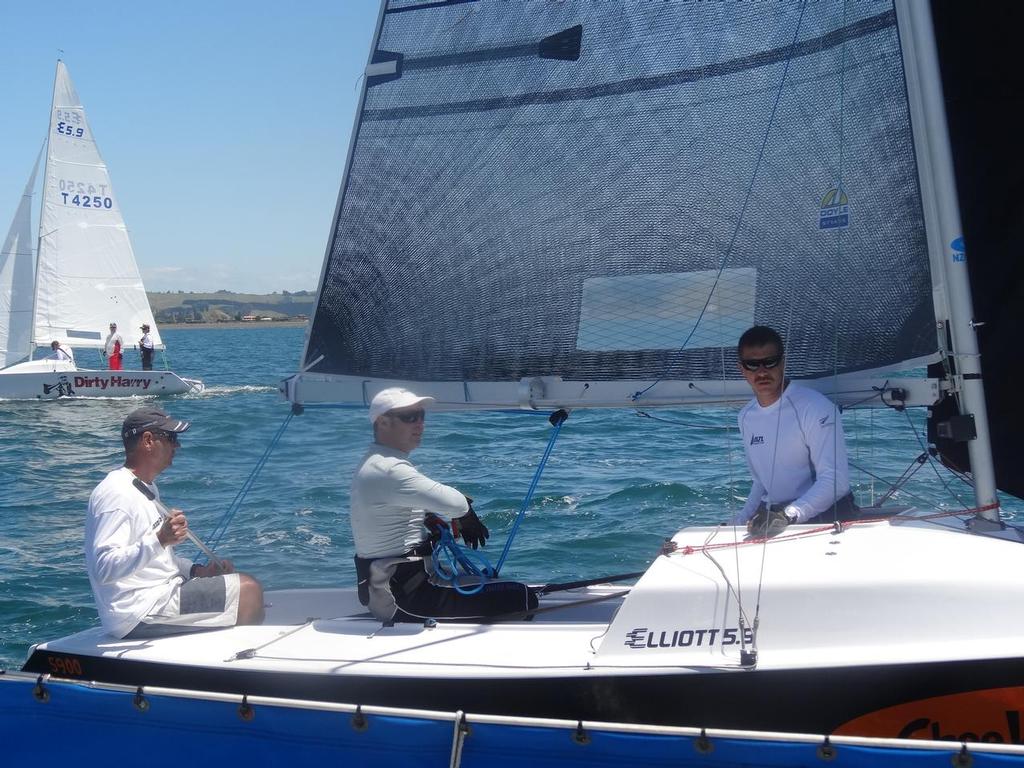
[
  {"x": 566, "y": 205},
  {"x": 85, "y": 275}
]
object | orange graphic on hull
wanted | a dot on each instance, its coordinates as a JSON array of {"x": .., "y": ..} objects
[{"x": 992, "y": 715}]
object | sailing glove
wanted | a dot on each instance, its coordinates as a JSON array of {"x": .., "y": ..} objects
[
  {"x": 435, "y": 524},
  {"x": 473, "y": 531},
  {"x": 768, "y": 522}
]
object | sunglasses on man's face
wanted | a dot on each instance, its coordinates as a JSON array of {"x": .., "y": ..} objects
[
  {"x": 752, "y": 363},
  {"x": 410, "y": 417},
  {"x": 170, "y": 437}
]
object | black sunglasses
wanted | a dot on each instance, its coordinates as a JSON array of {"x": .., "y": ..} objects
[
  {"x": 170, "y": 437},
  {"x": 753, "y": 364},
  {"x": 410, "y": 417}
]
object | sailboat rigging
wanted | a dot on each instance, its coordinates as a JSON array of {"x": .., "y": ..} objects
[{"x": 85, "y": 275}]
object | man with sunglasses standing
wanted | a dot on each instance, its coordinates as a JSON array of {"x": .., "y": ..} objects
[
  {"x": 393, "y": 507},
  {"x": 142, "y": 589},
  {"x": 794, "y": 443}
]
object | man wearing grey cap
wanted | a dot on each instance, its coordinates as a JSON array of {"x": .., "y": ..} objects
[
  {"x": 142, "y": 589},
  {"x": 391, "y": 505}
]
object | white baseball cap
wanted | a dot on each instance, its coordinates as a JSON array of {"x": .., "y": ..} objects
[{"x": 394, "y": 397}]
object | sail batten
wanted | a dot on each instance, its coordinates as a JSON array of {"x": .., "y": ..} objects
[{"x": 623, "y": 216}]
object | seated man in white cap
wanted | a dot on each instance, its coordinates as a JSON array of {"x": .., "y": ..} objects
[{"x": 391, "y": 503}]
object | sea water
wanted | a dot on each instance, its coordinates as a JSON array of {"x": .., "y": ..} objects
[{"x": 616, "y": 485}]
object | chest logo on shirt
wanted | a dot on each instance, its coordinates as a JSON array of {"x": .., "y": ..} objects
[{"x": 757, "y": 440}]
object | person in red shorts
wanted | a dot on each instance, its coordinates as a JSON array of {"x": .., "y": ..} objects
[{"x": 112, "y": 348}]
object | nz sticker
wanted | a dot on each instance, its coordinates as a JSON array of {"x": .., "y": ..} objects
[
  {"x": 835, "y": 210},
  {"x": 959, "y": 250}
]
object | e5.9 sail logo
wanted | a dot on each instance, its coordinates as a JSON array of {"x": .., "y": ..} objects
[{"x": 643, "y": 638}]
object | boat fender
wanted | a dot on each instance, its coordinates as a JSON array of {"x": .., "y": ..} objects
[
  {"x": 826, "y": 751},
  {"x": 245, "y": 710},
  {"x": 963, "y": 758},
  {"x": 140, "y": 702},
  {"x": 703, "y": 744},
  {"x": 359, "y": 722},
  {"x": 39, "y": 693},
  {"x": 580, "y": 735}
]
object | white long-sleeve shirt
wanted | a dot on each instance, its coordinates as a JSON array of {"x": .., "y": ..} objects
[
  {"x": 130, "y": 571},
  {"x": 796, "y": 452},
  {"x": 108, "y": 345},
  {"x": 388, "y": 499}
]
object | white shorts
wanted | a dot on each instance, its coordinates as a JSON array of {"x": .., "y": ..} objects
[{"x": 204, "y": 602}]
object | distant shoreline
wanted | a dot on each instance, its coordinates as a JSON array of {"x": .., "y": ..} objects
[{"x": 235, "y": 324}]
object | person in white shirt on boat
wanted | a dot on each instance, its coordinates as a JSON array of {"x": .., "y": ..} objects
[
  {"x": 112, "y": 348},
  {"x": 794, "y": 443},
  {"x": 146, "y": 348},
  {"x": 392, "y": 504},
  {"x": 141, "y": 587},
  {"x": 57, "y": 352}
]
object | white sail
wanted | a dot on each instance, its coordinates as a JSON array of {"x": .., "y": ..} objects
[
  {"x": 86, "y": 276},
  {"x": 16, "y": 280}
]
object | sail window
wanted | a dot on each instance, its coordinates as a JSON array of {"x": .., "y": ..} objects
[{"x": 674, "y": 310}]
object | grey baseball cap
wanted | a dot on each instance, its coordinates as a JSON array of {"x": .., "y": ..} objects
[{"x": 150, "y": 418}]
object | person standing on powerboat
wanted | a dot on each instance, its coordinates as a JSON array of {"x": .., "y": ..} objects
[
  {"x": 112, "y": 348},
  {"x": 794, "y": 444},
  {"x": 392, "y": 506},
  {"x": 142, "y": 589}
]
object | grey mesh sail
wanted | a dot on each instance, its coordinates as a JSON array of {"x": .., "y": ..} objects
[{"x": 614, "y": 192}]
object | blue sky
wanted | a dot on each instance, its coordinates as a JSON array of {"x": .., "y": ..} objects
[{"x": 225, "y": 125}]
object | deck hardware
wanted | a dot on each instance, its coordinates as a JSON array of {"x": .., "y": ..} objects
[
  {"x": 748, "y": 658},
  {"x": 580, "y": 736},
  {"x": 703, "y": 744},
  {"x": 963, "y": 758},
  {"x": 429, "y": 623},
  {"x": 826, "y": 751},
  {"x": 359, "y": 722},
  {"x": 39, "y": 692},
  {"x": 829, "y": 554},
  {"x": 464, "y": 728},
  {"x": 245, "y": 711},
  {"x": 248, "y": 653},
  {"x": 140, "y": 702}
]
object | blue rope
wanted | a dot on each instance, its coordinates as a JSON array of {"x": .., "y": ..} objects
[
  {"x": 222, "y": 526},
  {"x": 448, "y": 558},
  {"x": 557, "y": 419}
]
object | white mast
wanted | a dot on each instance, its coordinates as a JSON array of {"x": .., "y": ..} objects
[{"x": 942, "y": 214}]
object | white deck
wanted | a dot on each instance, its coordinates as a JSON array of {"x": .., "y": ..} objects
[{"x": 878, "y": 593}]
